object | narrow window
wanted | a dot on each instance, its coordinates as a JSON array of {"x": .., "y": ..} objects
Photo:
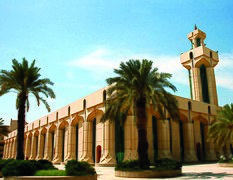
[
  {"x": 68, "y": 110},
  {"x": 104, "y": 95},
  {"x": 191, "y": 55},
  {"x": 198, "y": 41},
  {"x": 209, "y": 110},
  {"x": 84, "y": 104},
  {"x": 204, "y": 83}
]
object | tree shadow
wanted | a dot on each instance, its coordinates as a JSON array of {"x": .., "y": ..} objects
[{"x": 205, "y": 175}]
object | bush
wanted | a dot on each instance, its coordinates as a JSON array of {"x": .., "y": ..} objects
[
  {"x": 37, "y": 164},
  {"x": 47, "y": 164},
  {"x": 4, "y": 162},
  {"x": 226, "y": 160},
  {"x": 129, "y": 165},
  {"x": 167, "y": 164},
  {"x": 19, "y": 168},
  {"x": 52, "y": 172},
  {"x": 76, "y": 168}
]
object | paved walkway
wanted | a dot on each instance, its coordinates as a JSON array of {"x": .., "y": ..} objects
[{"x": 204, "y": 171}]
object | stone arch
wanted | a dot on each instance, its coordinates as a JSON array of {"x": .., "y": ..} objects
[
  {"x": 182, "y": 134},
  {"x": 52, "y": 128},
  {"x": 200, "y": 136},
  {"x": 201, "y": 119},
  {"x": 63, "y": 139},
  {"x": 34, "y": 144},
  {"x": 94, "y": 129},
  {"x": 63, "y": 124},
  {"x": 76, "y": 120},
  {"x": 94, "y": 114},
  {"x": 77, "y": 136},
  {"x": 51, "y": 141},
  {"x": 43, "y": 141},
  {"x": 183, "y": 118},
  {"x": 202, "y": 61}
]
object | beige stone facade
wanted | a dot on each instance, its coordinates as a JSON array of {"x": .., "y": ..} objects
[{"x": 75, "y": 131}]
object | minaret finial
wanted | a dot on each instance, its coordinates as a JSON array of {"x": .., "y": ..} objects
[{"x": 195, "y": 27}]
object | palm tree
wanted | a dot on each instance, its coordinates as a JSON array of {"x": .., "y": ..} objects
[
  {"x": 3, "y": 129},
  {"x": 136, "y": 88},
  {"x": 221, "y": 130},
  {"x": 24, "y": 80}
]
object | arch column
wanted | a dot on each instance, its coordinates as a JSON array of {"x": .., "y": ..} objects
[
  {"x": 33, "y": 148},
  {"x": 87, "y": 145},
  {"x": 210, "y": 152},
  {"x": 108, "y": 144},
  {"x": 13, "y": 149},
  {"x": 40, "y": 146},
  {"x": 189, "y": 151},
  {"x": 131, "y": 140},
  {"x": 71, "y": 143},
  {"x": 5, "y": 150},
  {"x": 10, "y": 150},
  {"x": 28, "y": 148},
  {"x": 164, "y": 139},
  {"x": 48, "y": 146},
  {"x": 58, "y": 154}
]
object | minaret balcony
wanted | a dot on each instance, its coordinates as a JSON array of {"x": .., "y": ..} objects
[{"x": 200, "y": 55}]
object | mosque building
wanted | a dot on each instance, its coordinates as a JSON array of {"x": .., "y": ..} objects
[{"x": 75, "y": 131}]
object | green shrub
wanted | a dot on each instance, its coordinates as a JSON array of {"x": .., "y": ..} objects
[
  {"x": 47, "y": 164},
  {"x": 37, "y": 164},
  {"x": 129, "y": 165},
  {"x": 76, "y": 168},
  {"x": 50, "y": 172},
  {"x": 19, "y": 168},
  {"x": 4, "y": 162},
  {"x": 43, "y": 164},
  {"x": 167, "y": 164}
]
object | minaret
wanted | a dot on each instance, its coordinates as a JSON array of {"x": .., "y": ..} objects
[{"x": 200, "y": 62}]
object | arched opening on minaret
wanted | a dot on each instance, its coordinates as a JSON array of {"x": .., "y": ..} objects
[
  {"x": 198, "y": 42},
  {"x": 204, "y": 84},
  {"x": 119, "y": 142},
  {"x": 155, "y": 137}
]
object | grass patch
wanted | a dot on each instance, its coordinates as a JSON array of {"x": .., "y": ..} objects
[{"x": 50, "y": 173}]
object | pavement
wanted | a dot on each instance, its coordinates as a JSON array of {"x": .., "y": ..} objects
[
  {"x": 204, "y": 171},
  {"x": 200, "y": 171}
]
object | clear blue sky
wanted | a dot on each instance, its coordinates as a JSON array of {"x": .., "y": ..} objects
[{"x": 78, "y": 43}]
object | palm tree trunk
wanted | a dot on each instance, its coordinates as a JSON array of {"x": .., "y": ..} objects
[
  {"x": 143, "y": 159},
  {"x": 21, "y": 124}
]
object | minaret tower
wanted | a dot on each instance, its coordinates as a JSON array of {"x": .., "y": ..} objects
[{"x": 200, "y": 62}]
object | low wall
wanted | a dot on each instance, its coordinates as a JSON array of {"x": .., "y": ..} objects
[
  {"x": 148, "y": 173},
  {"x": 51, "y": 177}
]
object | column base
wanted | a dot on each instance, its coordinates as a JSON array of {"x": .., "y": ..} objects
[
  {"x": 107, "y": 159},
  {"x": 164, "y": 154},
  {"x": 190, "y": 156},
  {"x": 130, "y": 155}
]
